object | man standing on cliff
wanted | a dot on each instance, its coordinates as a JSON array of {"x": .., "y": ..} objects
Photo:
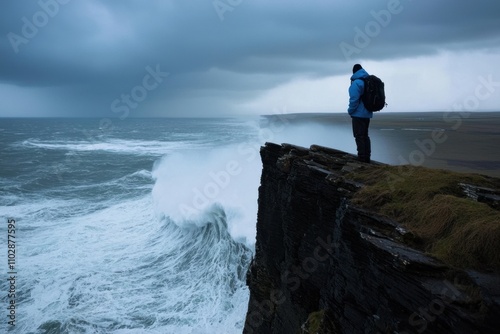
[{"x": 359, "y": 114}]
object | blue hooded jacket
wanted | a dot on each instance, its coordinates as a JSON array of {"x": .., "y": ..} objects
[{"x": 356, "y": 89}]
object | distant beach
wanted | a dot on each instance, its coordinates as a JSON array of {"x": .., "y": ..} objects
[{"x": 463, "y": 142}]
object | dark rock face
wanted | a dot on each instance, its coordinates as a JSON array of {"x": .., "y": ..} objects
[{"x": 324, "y": 266}]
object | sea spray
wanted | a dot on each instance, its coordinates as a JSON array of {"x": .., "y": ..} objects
[
  {"x": 189, "y": 183},
  {"x": 149, "y": 229},
  {"x": 96, "y": 251}
]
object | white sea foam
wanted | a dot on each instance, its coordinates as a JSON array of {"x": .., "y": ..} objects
[
  {"x": 125, "y": 266},
  {"x": 423, "y": 129},
  {"x": 188, "y": 184},
  {"x": 99, "y": 253},
  {"x": 139, "y": 147}
]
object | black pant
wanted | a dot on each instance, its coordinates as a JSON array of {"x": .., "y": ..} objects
[{"x": 360, "y": 132}]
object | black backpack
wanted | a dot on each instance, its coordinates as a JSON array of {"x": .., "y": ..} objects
[{"x": 374, "y": 95}]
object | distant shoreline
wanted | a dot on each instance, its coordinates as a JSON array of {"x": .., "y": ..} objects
[
  {"x": 404, "y": 114},
  {"x": 298, "y": 115},
  {"x": 467, "y": 141}
]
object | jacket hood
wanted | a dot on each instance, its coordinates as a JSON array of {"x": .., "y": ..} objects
[{"x": 359, "y": 74}]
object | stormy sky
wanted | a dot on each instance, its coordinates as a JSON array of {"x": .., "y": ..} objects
[{"x": 162, "y": 58}]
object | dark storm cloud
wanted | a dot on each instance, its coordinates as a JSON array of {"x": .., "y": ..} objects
[{"x": 86, "y": 54}]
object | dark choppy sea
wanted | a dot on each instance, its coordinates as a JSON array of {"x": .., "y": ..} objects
[
  {"x": 138, "y": 226},
  {"x": 147, "y": 227}
]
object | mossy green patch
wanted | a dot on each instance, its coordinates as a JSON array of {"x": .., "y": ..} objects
[
  {"x": 432, "y": 204},
  {"x": 318, "y": 322},
  {"x": 313, "y": 323}
]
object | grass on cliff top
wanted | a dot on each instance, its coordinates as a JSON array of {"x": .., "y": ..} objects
[{"x": 431, "y": 203}]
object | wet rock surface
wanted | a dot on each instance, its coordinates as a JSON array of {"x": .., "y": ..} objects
[{"x": 322, "y": 265}]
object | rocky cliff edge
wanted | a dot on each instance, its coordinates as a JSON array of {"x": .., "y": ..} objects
[{"x": 323, "y": 264}]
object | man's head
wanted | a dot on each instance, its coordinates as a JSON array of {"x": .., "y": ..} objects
[{"x": 356, "y": 68}]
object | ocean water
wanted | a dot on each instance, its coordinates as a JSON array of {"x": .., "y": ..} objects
[{"x": 137, "y": 226}]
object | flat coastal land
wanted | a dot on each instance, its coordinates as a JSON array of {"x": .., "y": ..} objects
[{"x": 463, "y": 142}]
